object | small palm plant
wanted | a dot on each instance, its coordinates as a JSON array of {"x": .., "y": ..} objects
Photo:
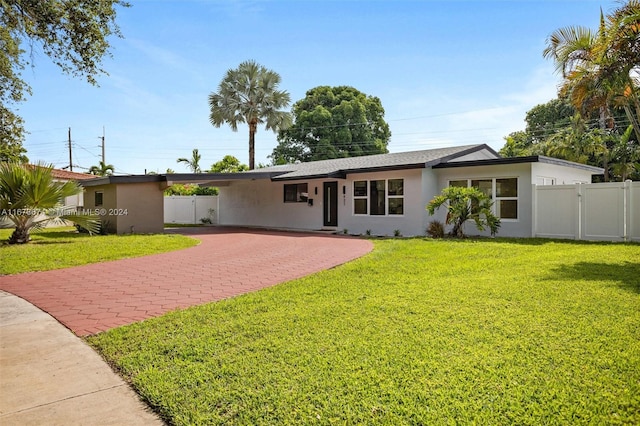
[
  {"x": 192, "y": 163},
  {"x": 465, "y": 204},
  {"x": 30, "y": 199},
  {"x": 102, "y": 169}
]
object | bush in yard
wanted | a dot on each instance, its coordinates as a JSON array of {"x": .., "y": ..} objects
[
  {"x": 190, "y": 189},
  {"x": 435, "y": 229},
  {"x": 465, "y": 204},
  {"x": 31, "y": 199}
]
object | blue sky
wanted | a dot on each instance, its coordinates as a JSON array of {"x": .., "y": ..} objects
[{"x": 448, "y": 73}]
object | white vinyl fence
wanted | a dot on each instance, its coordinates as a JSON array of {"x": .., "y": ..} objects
[
  {"x": 598, "y": 211},
  {"x": 183, "y": 210}
]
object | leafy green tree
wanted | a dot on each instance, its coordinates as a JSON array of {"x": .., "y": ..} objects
[
  {"x": 30, "y": 199},
  {"x": 465, "y": 204},
  {"x": 516, "y": 145},
  {"x": 229, "y": 164},
  {"x": 73, "y": 33},
  {"x": 544, "y": 120},
  {"x": 11, "y": 136},
  {"x": 102, "y": 169},
  {"x": 249, "y": 94},
  {"x": 333, "y": 122},
  {"x": 192, "y": 163}
]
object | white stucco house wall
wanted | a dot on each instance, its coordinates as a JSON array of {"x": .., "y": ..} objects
[
  {"x": 387, "y": 193},
  {"x": 378, "y": 194}
]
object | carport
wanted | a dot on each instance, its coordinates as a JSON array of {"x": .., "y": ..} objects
[{"x": 134, "y": 203}]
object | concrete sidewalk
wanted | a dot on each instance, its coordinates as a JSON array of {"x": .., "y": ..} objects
[{"x": 50, "y": 376}]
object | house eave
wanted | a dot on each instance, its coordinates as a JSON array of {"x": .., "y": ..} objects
[
  {"x": 518, "y": 160},
  {"x": 121, "y": 179},
  {"x": 342, "y": 174}
]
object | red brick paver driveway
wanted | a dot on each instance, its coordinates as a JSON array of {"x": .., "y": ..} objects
[{"x": 228, "y": 262}]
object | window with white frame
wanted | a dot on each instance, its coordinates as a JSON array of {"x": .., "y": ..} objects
[
  {"x": 384, "y": 197},
  {"x": 503, "y": 192},
  {"x": 542, "y": 180}
]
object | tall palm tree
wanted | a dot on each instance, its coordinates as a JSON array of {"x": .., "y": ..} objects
[
  {"x": 597, "y": 66},
  {"x": 249, "y": 94},
  {"x": 192, "y": 163},
  {"x": 102, "y": 169},
  {"x": 30, "y": 198}
]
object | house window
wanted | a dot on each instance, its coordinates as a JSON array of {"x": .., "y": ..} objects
[
  {"x": 378, "y": 197},
  {"x": 503, "y": 192},
  {"x": 360, "y": 197},
  {"x": 506, "y": 200},
  {"x": 98, "y": 198},
  {"x": 459, "y": 183},
  {"x": 296, "y": 193},
  {"x": 395, "y": 193}
]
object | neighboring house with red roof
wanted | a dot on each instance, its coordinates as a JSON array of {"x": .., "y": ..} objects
[
  {"x": 60, "y": 174},
  {"x": 65, "y": 175}
]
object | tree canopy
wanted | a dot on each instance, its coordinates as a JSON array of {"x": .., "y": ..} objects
[
  {"x": 73, "y": 33},
  {"x": 229, "y": 164},
  {"x": 595, "y": 119},
  {"x": 250, "y": 94},
  {"x": 333, "y": 122}
]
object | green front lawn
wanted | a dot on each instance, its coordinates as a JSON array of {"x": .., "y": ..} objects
[
  {"x": 418, "y": 332},
  {"x": 55, "y": 248}
]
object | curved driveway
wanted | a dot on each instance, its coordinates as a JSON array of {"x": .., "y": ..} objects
[{"x": 228, "y": 262}]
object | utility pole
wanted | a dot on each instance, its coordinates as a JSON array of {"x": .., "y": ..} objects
[
  {"x": 103, "y": 160},
  {"x": 70, "y": 157}
]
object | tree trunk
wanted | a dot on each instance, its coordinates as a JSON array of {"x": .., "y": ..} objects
[
  {"x": 253, "y": 127},
  {"x": 20, "y": 236}
]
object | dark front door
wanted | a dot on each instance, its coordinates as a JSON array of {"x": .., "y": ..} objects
[{"x": 330, "y": 204}]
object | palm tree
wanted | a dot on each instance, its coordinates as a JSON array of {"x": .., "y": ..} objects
[
  {"x": 102, "y": 169},
  {"x": 249, "y": 94},
  {"x": 30, "y": 199},
  {"x": 465, "y": 204},
  {"x": 625, "y": 155},
  {"x": 193, "y": 163},
  {"x": 597, "y": 66}
]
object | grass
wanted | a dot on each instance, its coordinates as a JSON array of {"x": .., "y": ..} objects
[
  {"x": 418, "y": 332},
  {"x": 56, "y": 248}
]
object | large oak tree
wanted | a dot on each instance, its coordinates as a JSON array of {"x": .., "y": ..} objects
[{"x": 333, "y": 122}]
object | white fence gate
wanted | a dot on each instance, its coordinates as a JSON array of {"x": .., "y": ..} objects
[
  {"x": 598, "y": 211},
  {"x": 184, "y": 210}
]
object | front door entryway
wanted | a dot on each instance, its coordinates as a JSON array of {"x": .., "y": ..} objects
[{"x": 330, "y": 203}]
